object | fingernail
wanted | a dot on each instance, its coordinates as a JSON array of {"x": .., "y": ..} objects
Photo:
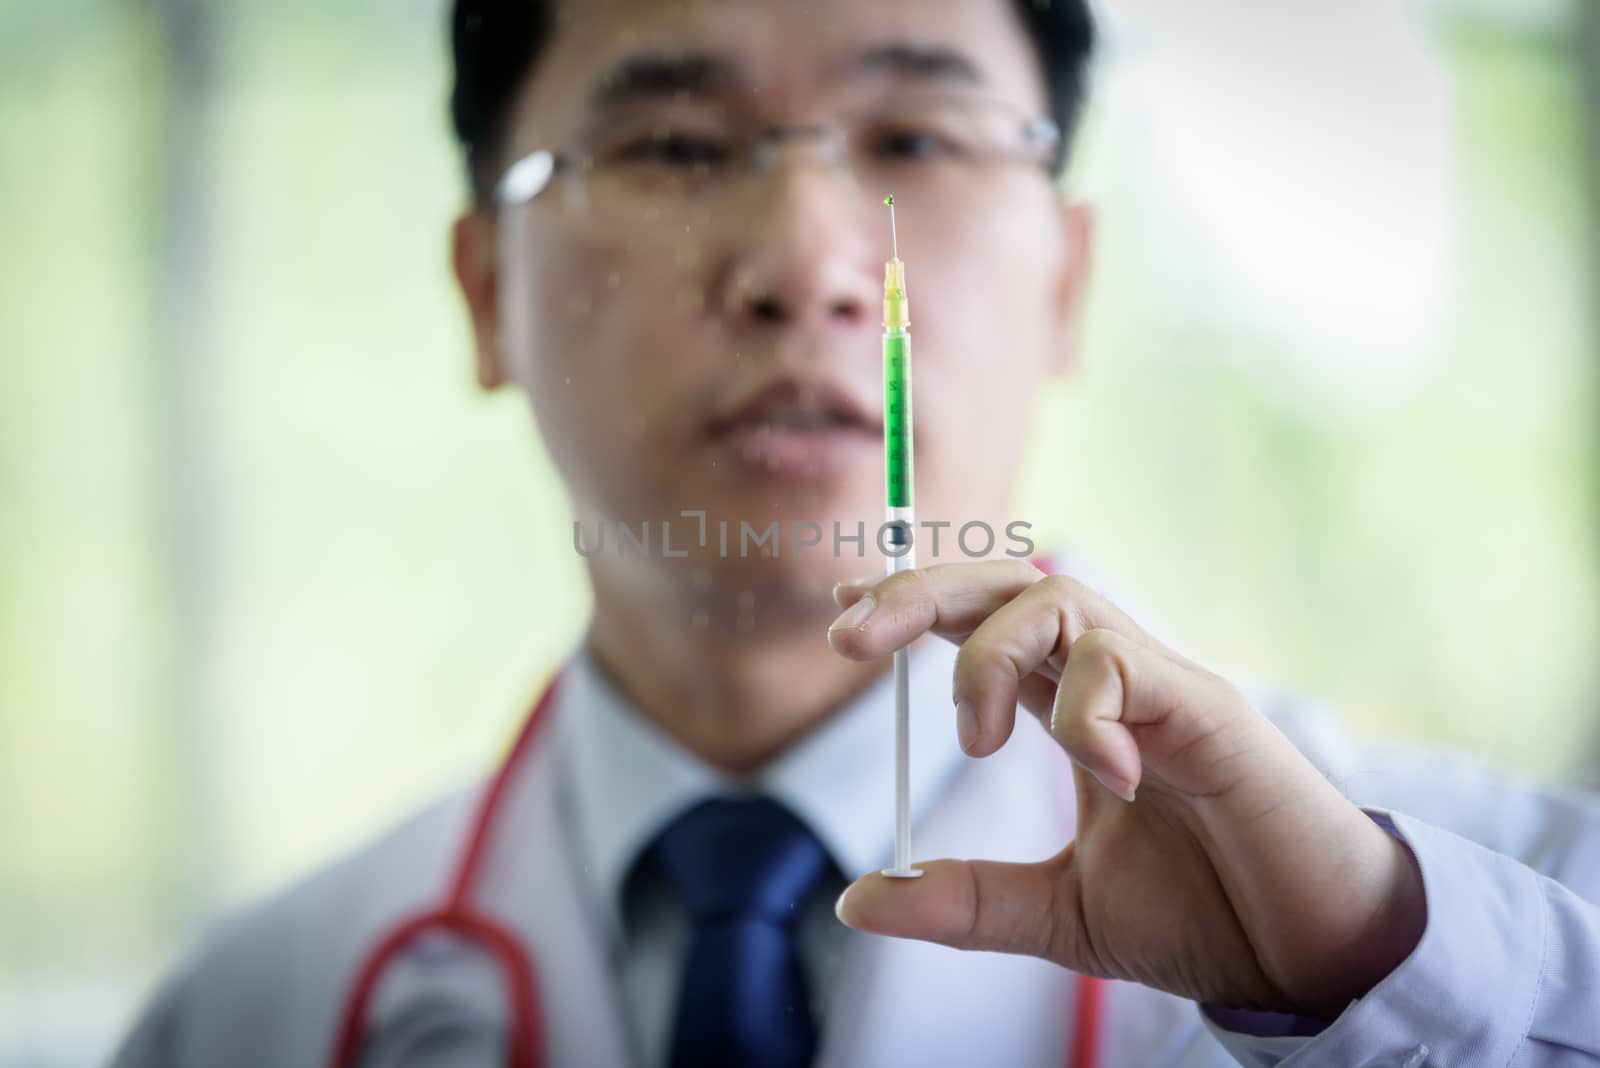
[
  {"x": 1121, "y": 789},
  {"x": 847, "y": 585},
  {"x": 967, "y": 724},
  {"x": 838, "y": 906},
  {"x": 856, "y": 615}
]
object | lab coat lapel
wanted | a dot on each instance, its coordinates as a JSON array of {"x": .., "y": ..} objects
[{"x": 531, "y": 883}]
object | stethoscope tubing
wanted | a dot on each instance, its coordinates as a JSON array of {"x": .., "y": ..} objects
[{"x": 458, "y": 916}]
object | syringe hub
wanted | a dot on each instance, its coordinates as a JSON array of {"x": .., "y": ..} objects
[{"x": 896, "y": 305}]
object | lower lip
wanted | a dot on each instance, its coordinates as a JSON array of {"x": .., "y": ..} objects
[{"x": 791, "y": 453}]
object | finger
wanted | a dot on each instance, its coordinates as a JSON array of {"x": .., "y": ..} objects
[
  {"x": 984, "y": 905},
  {"x": 951, "y": 600},
  {"x": 1035, "y": 693},
  {"x": 1031, "y": 634},
  {"x": 1122, "y": 708},
  {"x": 1088, "y": 717}
]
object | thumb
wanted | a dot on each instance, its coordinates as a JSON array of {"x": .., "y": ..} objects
[{"x": 979, "y": 904}]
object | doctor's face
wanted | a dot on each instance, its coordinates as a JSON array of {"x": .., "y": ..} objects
[{"x": 694, "y": 304}]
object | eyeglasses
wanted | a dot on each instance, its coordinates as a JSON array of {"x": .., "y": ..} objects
[{"x": 655, "y": 164}]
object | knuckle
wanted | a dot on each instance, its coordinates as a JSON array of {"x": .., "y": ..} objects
[
  {"x": 1060, "y": 587},
  {"x": 1071, "y": 601},
  {"x": 913, "y": 585},
  {"x": 1097, "y": 644},
  {"x": 1230, "y": 704}
]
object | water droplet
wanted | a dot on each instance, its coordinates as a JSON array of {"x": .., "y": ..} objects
[{"x": 614, "y": 280}]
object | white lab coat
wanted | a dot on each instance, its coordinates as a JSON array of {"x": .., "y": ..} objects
[{"x": 267, "y": 988}]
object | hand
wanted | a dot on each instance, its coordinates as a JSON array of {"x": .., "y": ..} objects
[{"x": 1212, "y": 860}]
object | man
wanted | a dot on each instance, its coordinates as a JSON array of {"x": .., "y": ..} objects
[{"x": 674, "y": 250}]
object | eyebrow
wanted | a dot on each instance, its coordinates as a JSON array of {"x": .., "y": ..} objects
[
  {"x": 912, "y": 61},
  {"x": 656, "y": 75},
  {"x": 664, "y": 75}
]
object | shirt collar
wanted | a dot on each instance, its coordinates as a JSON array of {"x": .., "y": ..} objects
[{"x": 627, "y": 779}]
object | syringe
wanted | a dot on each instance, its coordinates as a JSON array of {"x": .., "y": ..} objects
[{"x": 901, "y": 523}]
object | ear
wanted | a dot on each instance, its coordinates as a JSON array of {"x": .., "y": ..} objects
[
  {"x": 475, "y": 262},
  {"x": 1077, "y": 235}
]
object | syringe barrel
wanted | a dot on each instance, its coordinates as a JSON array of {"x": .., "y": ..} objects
[{"x": 897, "y": 417}]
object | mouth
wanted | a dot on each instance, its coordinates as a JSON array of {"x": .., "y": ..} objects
[{"x": 798, "y": 429}]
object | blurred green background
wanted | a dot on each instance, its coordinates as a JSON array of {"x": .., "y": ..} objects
[{"x": 272, "y": 571}]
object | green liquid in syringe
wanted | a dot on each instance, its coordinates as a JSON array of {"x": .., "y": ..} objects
[{"x": 897, "y": 416}]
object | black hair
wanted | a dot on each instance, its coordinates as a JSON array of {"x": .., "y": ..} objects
[{"x": 495, "y": 43}]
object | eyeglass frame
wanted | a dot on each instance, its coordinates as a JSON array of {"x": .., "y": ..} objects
[{"x": 530, "y": 175}]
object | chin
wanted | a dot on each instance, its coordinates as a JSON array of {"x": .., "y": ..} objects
[
  {"x": 768, "y": 540},
  {"x": 755, "y": 592}
]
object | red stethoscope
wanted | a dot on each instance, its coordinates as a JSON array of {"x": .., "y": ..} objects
[{"x": 458, "y": 915}]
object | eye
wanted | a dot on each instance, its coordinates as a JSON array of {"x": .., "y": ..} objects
[
  {"x": 676, "y": 150},
  {"x": 913, "y": 144}
]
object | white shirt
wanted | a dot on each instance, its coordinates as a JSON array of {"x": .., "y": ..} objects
[{"x": 624, "y": 780}]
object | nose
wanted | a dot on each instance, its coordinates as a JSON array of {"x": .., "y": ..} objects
[{"x": 803, "y": 260}]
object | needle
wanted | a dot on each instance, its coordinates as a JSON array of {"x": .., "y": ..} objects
[{"x": 893, "y": 236}]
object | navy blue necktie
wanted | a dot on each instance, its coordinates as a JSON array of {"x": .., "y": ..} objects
[{"x": 743, "y": 870}]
